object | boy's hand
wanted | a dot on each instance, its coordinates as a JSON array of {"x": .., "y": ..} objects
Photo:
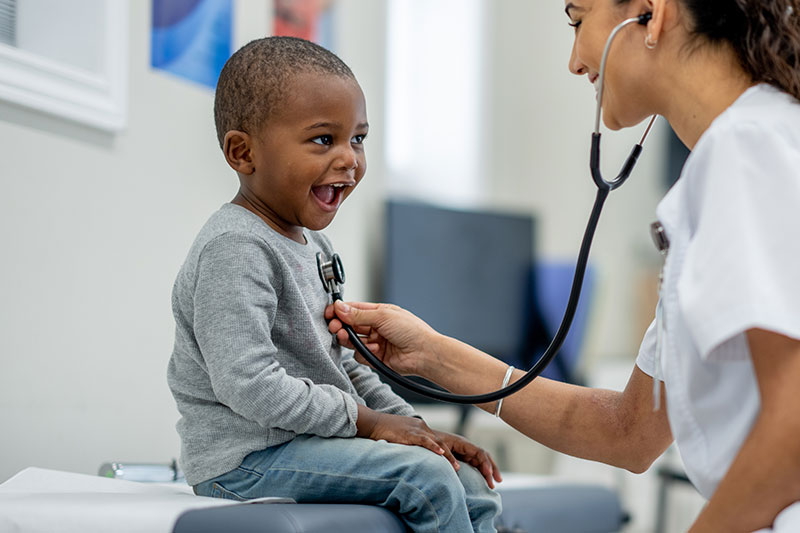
[
  {"x": 471, "y": 454},
  {"x": 401, "y": 430},
  {"x": 415, "y": 432}
]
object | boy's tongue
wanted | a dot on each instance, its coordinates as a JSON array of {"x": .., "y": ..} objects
[{"x": 325, "y": 193}]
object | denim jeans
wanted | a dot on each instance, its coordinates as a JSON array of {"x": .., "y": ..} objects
[{"x": 422, "y": 488}]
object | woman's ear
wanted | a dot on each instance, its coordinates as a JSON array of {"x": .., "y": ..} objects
[
  {"x": 656, "y": 23},
  {"x": 237, "y": 147}
]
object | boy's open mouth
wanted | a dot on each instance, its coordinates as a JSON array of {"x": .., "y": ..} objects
[{"x": 330, "y": 195}]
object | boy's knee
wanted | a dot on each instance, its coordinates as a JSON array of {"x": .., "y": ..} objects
[
  {"x": 429, "y": 468},
  {"x": 472, "y": 479}
]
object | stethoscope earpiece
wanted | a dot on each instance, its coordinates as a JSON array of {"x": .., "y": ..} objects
[{"x": 645, "y": 18}]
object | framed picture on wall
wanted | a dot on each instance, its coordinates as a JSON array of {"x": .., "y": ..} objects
[
  {"x": 68, "y": 59},
  {"x": 307, "y": 19},
  {"x": 192, "y": 39}
]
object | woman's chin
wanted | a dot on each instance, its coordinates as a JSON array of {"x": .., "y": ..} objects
[
  {"x": 612, "y": 124},
  {"x": 615, "y": 123}
]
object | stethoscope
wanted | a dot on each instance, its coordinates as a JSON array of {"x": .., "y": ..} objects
[{"x": 331, "y": 272}]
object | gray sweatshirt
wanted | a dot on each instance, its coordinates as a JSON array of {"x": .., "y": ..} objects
[{"x": 254, "y": 364}]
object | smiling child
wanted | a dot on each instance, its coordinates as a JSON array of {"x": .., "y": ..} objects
[{"x": 270, "y": 404}]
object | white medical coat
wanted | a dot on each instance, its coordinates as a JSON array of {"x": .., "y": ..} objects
[{"x": 733, "y": 221}]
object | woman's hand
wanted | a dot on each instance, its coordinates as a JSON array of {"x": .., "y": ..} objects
[{"x": 395, "y": 336}]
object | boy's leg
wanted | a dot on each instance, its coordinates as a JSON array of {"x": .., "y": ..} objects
[
  {"x": 483, "y": 503},
  {"x": 420, "y": 486}
]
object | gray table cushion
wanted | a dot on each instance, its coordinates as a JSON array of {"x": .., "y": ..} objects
[
  {"x": 565, "y": 508},
  {"x": 289, "y": 518},
  {"x": 562, "y": 508}
]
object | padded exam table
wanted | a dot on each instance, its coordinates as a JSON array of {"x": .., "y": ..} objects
[{"x": 38, "y": 500}]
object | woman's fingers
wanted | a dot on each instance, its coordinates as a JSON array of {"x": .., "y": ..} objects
[
  {"x": 358, "y": 313},
  {"x": 343, "y": 338}
]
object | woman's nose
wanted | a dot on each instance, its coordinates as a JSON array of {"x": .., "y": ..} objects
[{"x": 575, "y": 64}]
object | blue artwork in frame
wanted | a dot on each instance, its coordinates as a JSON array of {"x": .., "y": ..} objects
[{"x": 192, "y": 38}]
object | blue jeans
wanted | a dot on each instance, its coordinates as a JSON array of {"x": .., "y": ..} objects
[{"x": 419, "y": 486}]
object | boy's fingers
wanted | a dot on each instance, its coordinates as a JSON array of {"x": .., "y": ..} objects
[
  {"x": 432, "y": 445},
  {"x": 486, "y": 470},
  {"x": 450, "y": 457},
  {"x": 496, "y": 471}
]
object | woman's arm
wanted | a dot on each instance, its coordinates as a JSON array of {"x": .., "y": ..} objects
[
  {"x": 765, "y": 476},
  {"x": 617, "y": 428}
]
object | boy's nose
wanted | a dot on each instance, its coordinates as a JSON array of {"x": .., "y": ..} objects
[{"x": 347, "y": 159}]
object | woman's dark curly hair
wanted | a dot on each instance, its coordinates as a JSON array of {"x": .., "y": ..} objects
[{"x": 765, "y": 34}]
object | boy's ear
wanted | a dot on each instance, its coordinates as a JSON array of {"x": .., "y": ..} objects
[{"x": 237, "y": 148}]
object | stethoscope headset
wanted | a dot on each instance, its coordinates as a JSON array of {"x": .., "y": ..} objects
[{"x": 331, "y": 271}]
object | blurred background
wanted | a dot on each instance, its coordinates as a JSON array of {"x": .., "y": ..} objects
[{"x": 479, "y": 139}]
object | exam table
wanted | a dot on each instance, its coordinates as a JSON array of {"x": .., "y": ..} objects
[{"x": 40, "y": 500}]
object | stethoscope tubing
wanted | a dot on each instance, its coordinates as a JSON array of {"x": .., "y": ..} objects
[{"x": 541, "y": 364}]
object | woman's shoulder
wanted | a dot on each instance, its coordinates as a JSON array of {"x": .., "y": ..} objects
[{"x": 763, "y": 111}]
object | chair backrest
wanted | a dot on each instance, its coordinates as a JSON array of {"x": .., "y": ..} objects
[{"x": 551, "y": 282}]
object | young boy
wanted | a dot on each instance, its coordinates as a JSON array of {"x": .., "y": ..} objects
[{"x": 271, "y": 405}]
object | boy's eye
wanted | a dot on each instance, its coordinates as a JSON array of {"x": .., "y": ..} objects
[
  {"x": 575, "y": 24},
  {"x": 326, "y": 140},
  {"x": 358, "y": 139}
]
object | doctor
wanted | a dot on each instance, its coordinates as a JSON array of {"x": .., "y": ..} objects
[{"x": 726, "y": 345}]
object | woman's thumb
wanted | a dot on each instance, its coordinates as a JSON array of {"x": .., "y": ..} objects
[
  {"x": 342, "y": 308},
  {"x": 355, "y": 315}
]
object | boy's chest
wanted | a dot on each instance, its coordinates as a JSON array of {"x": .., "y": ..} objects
[{"x": 300, "y": 324}]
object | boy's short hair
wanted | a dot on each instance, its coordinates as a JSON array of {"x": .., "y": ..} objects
[{"x": 253, "y": 81}]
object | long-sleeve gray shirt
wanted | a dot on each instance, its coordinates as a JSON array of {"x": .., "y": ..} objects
[{"x": 253, "y": 363}]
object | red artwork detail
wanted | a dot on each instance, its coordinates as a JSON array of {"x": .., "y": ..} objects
[{"x": 299, "y": 18}]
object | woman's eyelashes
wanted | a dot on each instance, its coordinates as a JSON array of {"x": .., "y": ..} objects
[{"x": 575, "y": 24}]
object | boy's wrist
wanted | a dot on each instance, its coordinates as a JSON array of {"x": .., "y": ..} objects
[{"x": 366, "y": 421}]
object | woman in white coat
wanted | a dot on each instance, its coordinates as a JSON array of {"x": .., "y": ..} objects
[{"x": 726, "y": 75}]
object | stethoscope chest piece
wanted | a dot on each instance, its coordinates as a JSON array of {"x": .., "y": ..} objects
[{"x": 331, "y": 273}]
